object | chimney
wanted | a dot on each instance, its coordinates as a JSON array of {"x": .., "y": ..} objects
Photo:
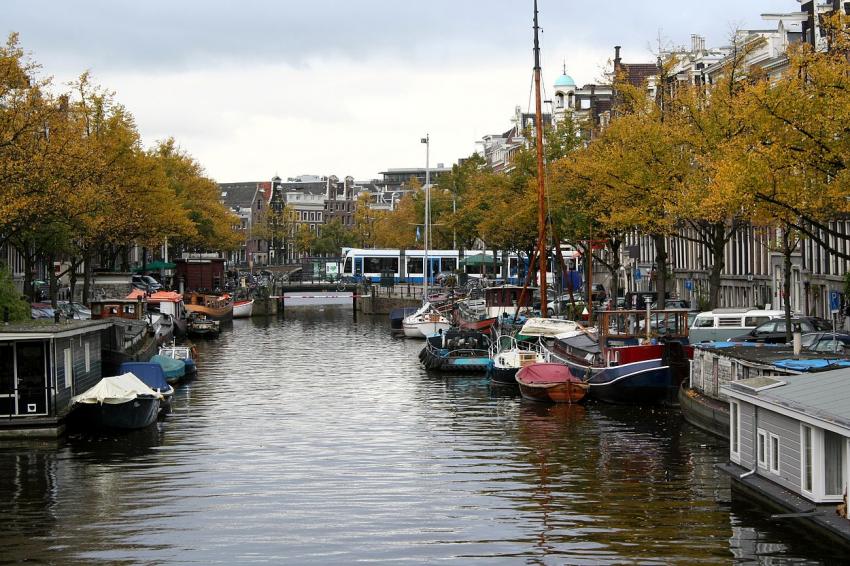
[{"x": 617, "y": 59}]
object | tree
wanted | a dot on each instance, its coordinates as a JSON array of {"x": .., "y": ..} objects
[
  {"x": 335, "y": 235},
  {"x": 10, "y": 299}
]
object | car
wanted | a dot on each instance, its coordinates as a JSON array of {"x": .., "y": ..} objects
[
  {"x": 146, "y": 283},
  {"x": 76, "y": 311},
  {"x": 562, "y": 304},
  {"x": 445, "y": 278},
  {"x": 835, "y": 342},
  {"x": 773, "y": 331},
  {"x": 672, "y": 304},
  {"x": 42, "y": 311}
]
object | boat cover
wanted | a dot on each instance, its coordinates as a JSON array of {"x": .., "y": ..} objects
[
  {"x": 548, "y": 327},
  {"x": 581, "y": 342},
  {"x": 545, "y": 374},
  {"x": 171, "y": 367},
  {"x": 811, "y": 365},
  {"x": 151, "y": 374},
  {"x": 115, "y": 390}
]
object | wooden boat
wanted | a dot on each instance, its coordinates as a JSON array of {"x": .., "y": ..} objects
[
  {"x": 457, "y": 351},
  {"x": 509, "y": 356},
  {"x": 186, "y": 354},
  {"x": 200, "y": 325},
  {"x": 471, "y": 314},
  {"x": 550, "y": 383},
  {"x": 152, "y": 375},
  {"x": 121, "y": 402},
  {"x": 243, "y": 309},
  {"x": 168, "y": 303},
  {"x": 215, "y": 307}
]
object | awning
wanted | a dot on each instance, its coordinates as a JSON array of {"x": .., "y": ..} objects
[
  {"x": 156, "y": 266},
  {"x": 476, "y": 260}
]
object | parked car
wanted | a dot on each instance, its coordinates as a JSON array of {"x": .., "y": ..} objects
[
  {"x": 723, "y": 324},
  {"x": 146, "y": 283},
  {"x": 562, "y": 304},
  {"x": 76, "y": 311},
  {"x": 41, "y": 311},
  {"x": 835, "y": 342},
  {"x": 672, "y": 304},
  {"x": 773, "y": 331},
  {"x": 445, "y": 278}
]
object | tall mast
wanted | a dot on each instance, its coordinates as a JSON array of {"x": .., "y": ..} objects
[
  {"x": 542, "y": 256},
  {"x": 427, "y": 141}
]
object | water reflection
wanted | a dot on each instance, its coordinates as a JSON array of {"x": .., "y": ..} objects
[{"x": 319, "y": 440}]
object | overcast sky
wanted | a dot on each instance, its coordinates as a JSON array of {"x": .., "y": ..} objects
[{"x": 347, "y": 87}]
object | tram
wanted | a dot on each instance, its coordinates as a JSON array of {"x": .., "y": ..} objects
[{"x": 409, "y": 265}]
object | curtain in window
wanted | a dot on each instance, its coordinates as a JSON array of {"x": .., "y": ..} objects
[{"x": 833, "y": 446}]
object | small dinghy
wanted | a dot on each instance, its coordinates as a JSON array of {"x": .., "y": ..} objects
[
  {"x": 550, "y": 383},
  {"x": 174, "y": 370},
  {"x": 152, "y": 375}
]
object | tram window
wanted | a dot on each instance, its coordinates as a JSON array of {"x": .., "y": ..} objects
[
  {"x": 380, "y": 264},
  {"x": 347, "y": 269},
  {"x": 414, "y": 266},
  {"x": 449, "y": 264}
]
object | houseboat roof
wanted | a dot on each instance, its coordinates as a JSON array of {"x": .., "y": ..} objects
[
  {"x": 44, "y": 329},
  {"x": 158, "y": 297},
  {"x": 823, "y": 398},
  {"x": 779, "y": 355}
]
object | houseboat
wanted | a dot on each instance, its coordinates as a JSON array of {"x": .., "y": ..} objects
[
  {"x": 131, "y": 338},
  {"x": 214, "y": 307},
  {"x": 789, "y": 441},
  {"x": 716, "y": 364},
  {"x": 42, "y": 366}
]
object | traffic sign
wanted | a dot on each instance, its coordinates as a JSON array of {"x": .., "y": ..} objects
[{"x": 835, "y": 301}]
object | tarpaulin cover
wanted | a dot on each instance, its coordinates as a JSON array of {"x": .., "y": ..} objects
[
  {"x": 172, "y": 368},
  {"x": 548, "y": 327},
  {"x": 115, "y": 390},
  {"x": 151, "y": 374},
  {"x": 808, "y": 365}
]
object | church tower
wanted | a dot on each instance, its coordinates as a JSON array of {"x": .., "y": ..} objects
[{"x": 565, "y": 91}]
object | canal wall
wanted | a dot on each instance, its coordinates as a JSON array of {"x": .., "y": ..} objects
[{"x": 369, "y": 304}]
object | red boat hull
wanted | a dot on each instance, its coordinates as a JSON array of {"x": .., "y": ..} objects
[{"x": 550, "y": 383}]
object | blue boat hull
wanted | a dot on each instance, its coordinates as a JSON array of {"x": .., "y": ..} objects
[
  {"x": 503, "y": 376},
  {"x": 646, "y": 382},
  {"x": 138, "y": 413}
]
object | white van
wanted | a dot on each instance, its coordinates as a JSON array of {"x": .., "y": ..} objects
[{"x": 721, "y": 324}]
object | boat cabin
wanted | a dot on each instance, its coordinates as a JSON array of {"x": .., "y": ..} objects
[
  {"x": 41, "y": 367},
  {"x": 790, "y": 438},
  {"x": 131, "y": 309},
  {"x": 507, "y": 296}
]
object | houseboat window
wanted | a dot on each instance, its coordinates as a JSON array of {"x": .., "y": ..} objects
[
  {"x": 7, "y": 379},
  {"x": 808, "y": 457},
  {"x": 774, "y": 454},
  {"x": 68, "y": 367},
  {"x": 762, "y": 449},
  {"x": 735, "y": 425},
  {"x": 834, "y": 458},
  {"x": 87, "y": 354}
]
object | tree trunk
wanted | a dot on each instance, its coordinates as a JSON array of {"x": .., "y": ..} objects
[
  {"x": 86, "y": 277},
  {"x": 786, "y": 279},
  {"x": 72, "y": 277},
  {"x": 614, "y": 268},
  {"x": 29, "y": 266},
  {"x": 660, "y": 268},
  {"x": 718, "y": 246}
]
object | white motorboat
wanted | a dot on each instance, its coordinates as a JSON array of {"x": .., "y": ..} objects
[
  {"x": 243, "y": 309},
  {"x": 425, "y": 322}
]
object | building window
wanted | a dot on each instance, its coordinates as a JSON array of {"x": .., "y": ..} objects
[
  {"x": 807, "y": 457},
  {"x": 762, "y": 449},
  {"x": 774, "y": 454},
  {"x": 735, "y": 430},
  {"x": 87, "y": 355}
]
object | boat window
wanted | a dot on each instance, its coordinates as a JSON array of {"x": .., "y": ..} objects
[
  {"x": 834, "y": 447},
  {"x": 808, "y": 457}
]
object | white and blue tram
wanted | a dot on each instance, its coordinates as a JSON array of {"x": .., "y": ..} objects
[{"x": 409, "y": 265}]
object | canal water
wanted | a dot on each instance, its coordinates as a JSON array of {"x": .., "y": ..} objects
[{"x": 315, "y": 439}]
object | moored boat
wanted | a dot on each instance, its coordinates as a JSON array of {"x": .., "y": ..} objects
[
  {"x": 215, "y": 307},
  {"x": 152, "y": 375},
  {"x": 120, "y": 402},
  {"x": 243, "y": 309},
  {"x": 456, "y": 351},
  {"x": 174, "y": 370},
  {"x": 200, "y": 325},
  {"x": 509, "y": 356},
  {"x": 427, "y": 320},
  {"x": 550, "y": 383},
  {"x": 186, "y": 354}
]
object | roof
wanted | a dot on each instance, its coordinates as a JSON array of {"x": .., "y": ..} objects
[
  {"x": 823, "y": 396},
  {"x": 44, "y": 329},
  {"x": 565, "y": 80},
  {"x": 768, "y": 354},
  {"x": 238, "y": 194},
  {"x": 638, "y": 73}
]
